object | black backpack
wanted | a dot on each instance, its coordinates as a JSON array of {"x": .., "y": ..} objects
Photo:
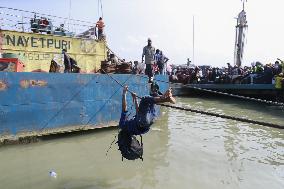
[{"x": 129, "y": 146}]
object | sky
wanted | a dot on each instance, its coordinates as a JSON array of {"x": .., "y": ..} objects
[{"x": 169, "y": 23}]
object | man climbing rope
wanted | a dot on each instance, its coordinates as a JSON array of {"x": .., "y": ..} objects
[
  {"x": 129, "y": 146},
  {"x": 145, "y": 112}
]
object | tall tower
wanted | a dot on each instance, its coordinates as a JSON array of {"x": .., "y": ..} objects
[{"x": 241, "y": 30}]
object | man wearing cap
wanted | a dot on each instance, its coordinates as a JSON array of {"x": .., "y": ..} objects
[{"x": 149, "y": 53}]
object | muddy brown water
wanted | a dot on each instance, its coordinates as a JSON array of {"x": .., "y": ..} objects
[{"x": 183, "y": 150}]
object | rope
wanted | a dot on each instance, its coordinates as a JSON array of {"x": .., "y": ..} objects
[
  {"x": 216, "y": 92},
  {"x": 119, "y": 83},
  {"x": 48, "y": 15},
  {"x": 223, "y": 93},
  {"x": 53, "y": 21},
  {"x": 79, "y": 91},
  {"x": 226, "y": 116},
  {"x": 98, "y": 8},
  {"x": 213, "y": 114},
  {"x": 111, "y": 144},
  {"x": 239, "y": 96},
  {"x": 76, "y": 94},
  {"x": 119, "y": 58},
  {"x": 65, "y": 105},
  {"x": 106, "y": 102},
  {"x": 102, "y": 8}
]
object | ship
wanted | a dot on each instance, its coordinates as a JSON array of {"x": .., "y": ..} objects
[{"x": 35, "y": 102}]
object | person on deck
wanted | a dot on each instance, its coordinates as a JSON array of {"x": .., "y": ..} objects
[
  {"x": 149, "y": 53},
  {"x": 282, "y": 64},
  {"x": 277, "y": 68},
  {"x": 70, "y": 64},
  {"x": 100, "y": 25},
  {"x": 145, "y": 112},
  {"x": 163, "y": 63},
  {"x": 157, "y": 56},
  {"x": 67, "y": 61}
]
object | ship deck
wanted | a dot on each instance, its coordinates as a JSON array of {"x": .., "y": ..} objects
[{"x": 261, "y": 90}]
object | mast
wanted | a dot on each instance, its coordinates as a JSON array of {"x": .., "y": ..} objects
[
  {"x": 241, "y": 29},
  {"x": 193, "y": 41},
  {"x": 69, "y": 15}
]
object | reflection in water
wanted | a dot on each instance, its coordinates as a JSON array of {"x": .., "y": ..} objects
[{"x": 183, "y": 150}]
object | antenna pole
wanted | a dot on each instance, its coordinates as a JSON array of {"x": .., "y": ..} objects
[
  {"x": 69, "y": 16},
  {"x": 23, "y": 28},
  {"x": 102, "y": 8},
  {"x": 193, "y": 41},
  {"x": 244, "y": 4}
]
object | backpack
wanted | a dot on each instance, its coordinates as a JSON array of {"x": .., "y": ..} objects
[{"x": 129, "y": 146}]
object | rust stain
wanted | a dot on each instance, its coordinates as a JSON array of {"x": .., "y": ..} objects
[
  {"x": 32, "y": 83},
  {"x": 3, "y": 85},
  {"x": 24, "y": 84},
  {"x": 40, "y": 83}
]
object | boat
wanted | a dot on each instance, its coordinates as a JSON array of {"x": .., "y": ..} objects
[
  {"x": 234, "y": 84},
  {"x": 36, "y": 103}
]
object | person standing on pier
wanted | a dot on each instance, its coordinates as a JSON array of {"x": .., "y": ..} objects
[{"x": 149, "y": 53}]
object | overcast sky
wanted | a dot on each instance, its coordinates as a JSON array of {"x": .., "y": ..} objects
[{"x": 169, "y": 23}]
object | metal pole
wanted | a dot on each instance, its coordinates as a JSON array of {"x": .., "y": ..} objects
[
  {"x": 69, "y": 16},
  {"x": 98, "y": 8},
  {"x": 23, "y": 28},
  {"x": 193, "y": 42}
]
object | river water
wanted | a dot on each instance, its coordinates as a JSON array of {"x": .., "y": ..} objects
[{"x": 183, "y": 150}]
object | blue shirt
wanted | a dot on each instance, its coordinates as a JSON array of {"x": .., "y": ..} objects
[
  {"x": 158, "y": 57},
  {"x": 131, "y": 125}
]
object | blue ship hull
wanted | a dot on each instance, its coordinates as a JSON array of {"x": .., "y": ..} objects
[{"x": 37, "y": 102}]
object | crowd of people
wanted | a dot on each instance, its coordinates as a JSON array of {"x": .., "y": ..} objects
[
  {"x": 257, "y": 73},
  {"x": 155, "y": 62}
]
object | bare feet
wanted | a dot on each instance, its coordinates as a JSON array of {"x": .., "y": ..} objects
[
  {"x": 172, "y": 100},
  {"x": 169, "y": 96},
  {"x": 167, "y": 93}
]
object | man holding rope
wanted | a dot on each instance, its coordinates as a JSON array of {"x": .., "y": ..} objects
[
  {"x": 145, "y": 112},
  {"x": 129, "y": 146}
]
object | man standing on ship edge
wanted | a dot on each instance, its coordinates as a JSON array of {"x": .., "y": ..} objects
[{"x": 149, "y": 52}]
